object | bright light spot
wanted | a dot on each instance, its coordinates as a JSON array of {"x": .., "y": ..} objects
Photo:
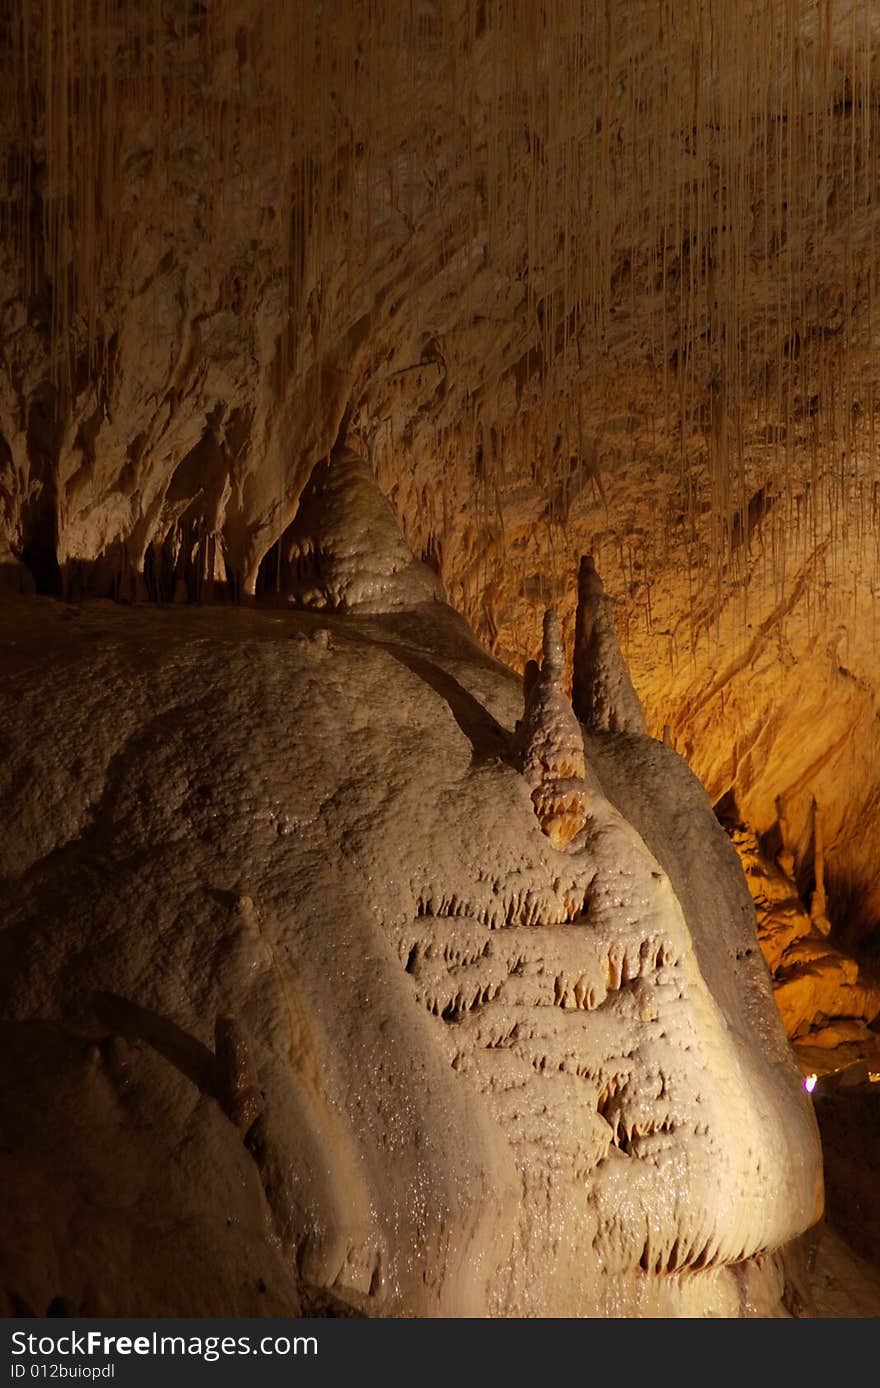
[
  {"x": 810, "y": 1083},
  {"x": 874, "y": 1076}
]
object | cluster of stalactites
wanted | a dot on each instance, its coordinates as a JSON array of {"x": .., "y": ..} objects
[{"x": 683, "y": 160}]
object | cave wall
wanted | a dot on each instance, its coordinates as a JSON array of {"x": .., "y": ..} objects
[{"x": 569, "y": 279}]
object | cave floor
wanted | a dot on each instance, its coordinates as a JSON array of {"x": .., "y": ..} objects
[
  {"x": 845, "y": 1280},
  {"x": 843, "y": 1285}
]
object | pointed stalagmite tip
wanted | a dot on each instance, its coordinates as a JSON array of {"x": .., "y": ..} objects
[
  {"x": 552, "y": 746},
  {"x": 602, "y": 692}
]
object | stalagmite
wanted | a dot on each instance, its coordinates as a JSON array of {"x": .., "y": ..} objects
[
  {"x": 558, "y": 1049},
  {"x": 602, "y": 693},
  {"x": 552, "y": 746},
  {"x": 344, "y": 551}
]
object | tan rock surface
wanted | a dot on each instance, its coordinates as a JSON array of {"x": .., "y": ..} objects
[
  {"x": 568, "y": 277},
  {"x": 493, "y": 1078}
]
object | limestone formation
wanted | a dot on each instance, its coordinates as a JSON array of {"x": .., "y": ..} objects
[
  {"x": 14, "y": 575},
  {"x": 498, "y": 1079},
  {"x": 494, "y": 1027},
  {"x": 602, "y": 692},
  {"x": 826, "y": 1001},
  {"x": 785, "y": 858},
  {"x": 546, "y": 321},
  {"x": 552, "y": 745},
  {"x": 344, "y": 551}
]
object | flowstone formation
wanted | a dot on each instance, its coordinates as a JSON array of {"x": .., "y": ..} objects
[
  {"x": 827, "y": 1000},
  {"x": 303, "y": 1010}
]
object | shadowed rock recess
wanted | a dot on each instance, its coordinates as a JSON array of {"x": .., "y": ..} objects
[{"x": 307, "y": 1007}]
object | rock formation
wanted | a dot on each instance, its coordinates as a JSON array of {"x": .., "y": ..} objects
[
  {"x": 826, "y": 1000},
  {"x": 478, "y": 1074},
  {"x": 344, "y": 551},
  {"x": 555, "y": 272},
  {"x": 785, "y": 858},
  {"x": 516, "y": 278},
  {"x": 818, "y": 899},
  {"x": 552, "y": 745},
  {"x": 236, "y": 1082},
  {"x": 602, "y": 691}
]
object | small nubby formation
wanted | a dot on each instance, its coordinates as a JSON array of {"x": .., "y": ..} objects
[
  {"x": 602, "y": 692},
  {"x": 552, "y": 744}
]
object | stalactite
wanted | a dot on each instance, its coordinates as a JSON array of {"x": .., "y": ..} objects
[{"x": 683, "y": 157}]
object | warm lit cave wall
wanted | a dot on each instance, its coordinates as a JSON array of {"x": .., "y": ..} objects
[{"x": 570, "y": 276}]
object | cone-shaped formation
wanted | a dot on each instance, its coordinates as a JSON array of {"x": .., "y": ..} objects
[
  {"x": 553, "y": 745},
  {"x": 345, "y": 550},
  {"x": 602, "y": 692}
]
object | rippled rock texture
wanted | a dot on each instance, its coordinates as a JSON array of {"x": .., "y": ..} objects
[
  {"x": 571, "y": 279},
  {"x": 301, "y": 1006}
]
